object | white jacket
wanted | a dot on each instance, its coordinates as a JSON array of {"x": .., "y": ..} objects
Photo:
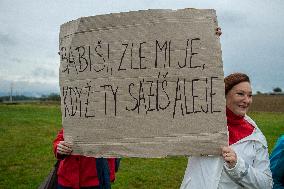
[{"x": 251, "y": 171}]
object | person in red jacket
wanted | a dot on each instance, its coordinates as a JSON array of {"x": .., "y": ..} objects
[{"x": 77, "y": 171}]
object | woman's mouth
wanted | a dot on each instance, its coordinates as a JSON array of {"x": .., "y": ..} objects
[{"x": 243, "y": 106}]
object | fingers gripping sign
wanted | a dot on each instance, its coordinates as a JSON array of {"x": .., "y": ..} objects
[
  {"x": 218, "y": 31},
  {"x": 229, "y": 156},
  {"x": 64, "y": 148}
]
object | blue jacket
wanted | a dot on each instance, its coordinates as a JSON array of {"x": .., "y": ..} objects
[{"x": 277, "y": 164}]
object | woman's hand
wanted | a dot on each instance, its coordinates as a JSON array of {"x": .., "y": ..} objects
[
  {"x": 229, "y": 156},
  {"x": 64, "y": 148}
]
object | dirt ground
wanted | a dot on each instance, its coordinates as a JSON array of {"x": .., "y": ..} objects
[{"x": 268, "y": 103}]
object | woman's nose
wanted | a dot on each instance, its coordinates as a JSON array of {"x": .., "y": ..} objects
[{"x": 247, "y": 98}]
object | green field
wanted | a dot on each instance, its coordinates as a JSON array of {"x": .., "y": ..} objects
[{"x": 27, "y": 132}]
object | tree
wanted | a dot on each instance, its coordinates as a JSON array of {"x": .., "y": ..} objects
[
  {"x": 277, "y": 90},
  {"x": 53, "y": 97},
  {"x": 50, "y": 97}
]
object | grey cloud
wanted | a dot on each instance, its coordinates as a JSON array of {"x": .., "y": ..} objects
[
  {"x": 6, "y": 39},
  {"x": 43, "y": 73},
  {"x": 232, "y": 18},
  {"x": 17, "y": 60}
]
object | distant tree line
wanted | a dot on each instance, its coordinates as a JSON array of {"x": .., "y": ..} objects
[
  {"x": 50, "y": 97},
  {"x": 275, "y": 91}
]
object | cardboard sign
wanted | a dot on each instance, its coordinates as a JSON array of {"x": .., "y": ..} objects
[{"x": 143, "y": 84}]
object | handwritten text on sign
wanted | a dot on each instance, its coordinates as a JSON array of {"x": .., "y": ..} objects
[{"x": 145, "y": 88}]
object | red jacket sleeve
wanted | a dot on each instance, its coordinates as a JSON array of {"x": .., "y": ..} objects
[{"x": 55, "y": 143}]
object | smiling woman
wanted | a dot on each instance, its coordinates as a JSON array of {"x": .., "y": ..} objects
[{"x": 244, "y": 163}]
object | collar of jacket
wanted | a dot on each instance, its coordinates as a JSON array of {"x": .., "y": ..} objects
[{"x": 255, "y": 136}]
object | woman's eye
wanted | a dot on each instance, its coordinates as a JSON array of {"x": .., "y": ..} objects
[{"x": 240, "y": 94}]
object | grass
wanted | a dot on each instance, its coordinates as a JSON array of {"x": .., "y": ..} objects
[
  {"x": 27, "y": 132},
  {"x": 271, "y": 125},
  {"x": 150, "y": 173}
]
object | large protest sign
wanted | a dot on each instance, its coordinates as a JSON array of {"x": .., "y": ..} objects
[{"x": 143, "y": 84}]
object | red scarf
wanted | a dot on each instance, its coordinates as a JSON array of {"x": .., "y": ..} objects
[{"x": 238, "y": 127}]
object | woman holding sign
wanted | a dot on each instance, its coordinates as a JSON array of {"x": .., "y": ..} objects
[
  {"x": 245, "y": 162},
  {"x": 77, "y": 171}
]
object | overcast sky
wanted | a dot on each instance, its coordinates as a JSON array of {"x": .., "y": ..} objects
[{"x": 252, "y": 39}]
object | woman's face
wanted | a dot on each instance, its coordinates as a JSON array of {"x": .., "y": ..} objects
[{"x": 239, "y": 98}]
